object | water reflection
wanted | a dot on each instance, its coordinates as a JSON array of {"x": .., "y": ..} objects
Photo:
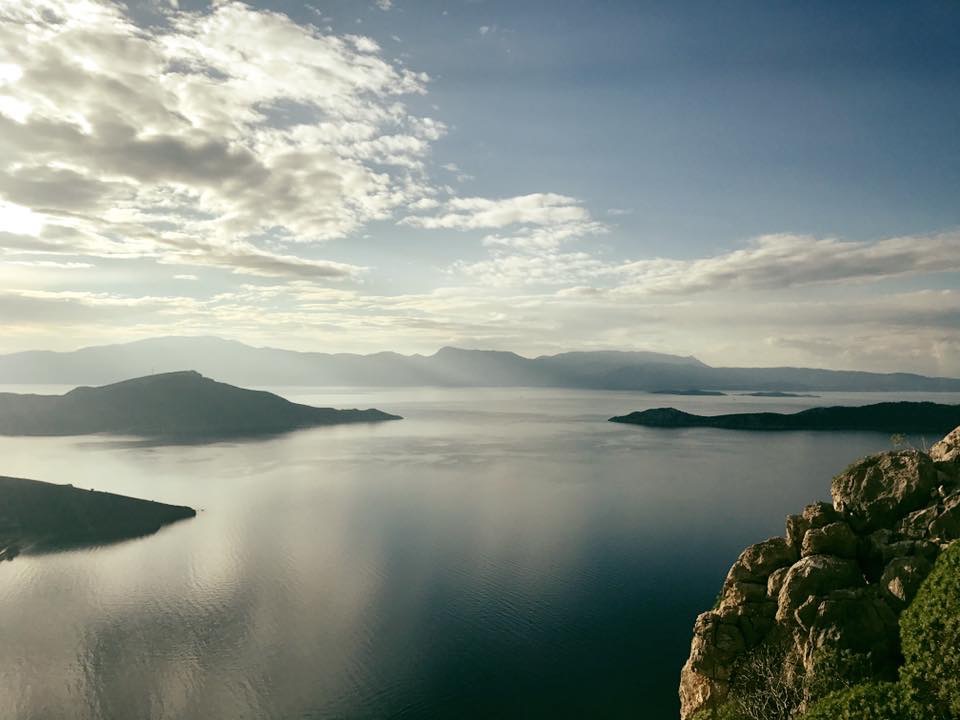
[{"x": 494, "y": 555}]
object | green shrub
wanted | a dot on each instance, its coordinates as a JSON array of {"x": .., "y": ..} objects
[
  {"x": 930, "y": 635},
  {"x": 724, "y": 712},
  {"x": 871, "y": 701}
]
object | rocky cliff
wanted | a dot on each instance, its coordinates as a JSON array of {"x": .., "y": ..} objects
[{"x": 825, "y": 599}]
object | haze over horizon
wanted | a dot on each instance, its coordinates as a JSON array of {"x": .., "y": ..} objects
[
  {"x": 170, "y": 342},
  {"x": 775, "y": 186}
]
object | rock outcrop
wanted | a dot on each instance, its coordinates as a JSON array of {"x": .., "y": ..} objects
[
  {"x": 838, "y": 580},
  {"x": 948, "y": 449}
]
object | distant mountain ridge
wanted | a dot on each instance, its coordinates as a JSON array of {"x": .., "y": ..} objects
[
  {"x": 242, "y": 364},
  {"x": 182, "y": 405}
]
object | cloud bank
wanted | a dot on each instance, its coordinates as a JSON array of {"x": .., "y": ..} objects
[{"x": 210, "y": 139}]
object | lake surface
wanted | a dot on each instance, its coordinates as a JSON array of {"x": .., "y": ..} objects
[{"x": 500, "y": 553}]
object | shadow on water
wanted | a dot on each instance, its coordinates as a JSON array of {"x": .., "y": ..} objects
[
  {"x": 107, "y": 441},
  {"x": 39, "y": 517},
  {"x": 12, "y": 546}
]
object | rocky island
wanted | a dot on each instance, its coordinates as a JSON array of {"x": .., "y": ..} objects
[
  {"x": 777, "y": 394},
  {"x": 39, "y": 516},
  {"x": 889, "y": 417},
  {"x": 692, "y": 392},
  {"x": 178, "y": 405},
  {"x": 853, "y": 613}
]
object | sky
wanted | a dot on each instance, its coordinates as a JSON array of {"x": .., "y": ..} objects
[{"x": 753, "y": 183}]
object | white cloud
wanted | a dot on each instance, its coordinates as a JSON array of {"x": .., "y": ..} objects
[
  {"x": 546, "y": 268},
  {"x": 781, "y": 261},
  {"x": 134, "y": 137},
  {"x": 477, "y": 213},
  {"x": 19, "y": 220}
]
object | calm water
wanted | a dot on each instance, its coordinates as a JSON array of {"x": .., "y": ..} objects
[{"x": 499, "y": 554}]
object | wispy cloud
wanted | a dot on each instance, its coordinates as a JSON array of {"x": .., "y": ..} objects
[
  {"x": 473, "y": 213},
  {"x": 782, "y": 261}
]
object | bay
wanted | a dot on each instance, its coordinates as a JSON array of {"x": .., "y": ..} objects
[{"x": 499, "y": 553}]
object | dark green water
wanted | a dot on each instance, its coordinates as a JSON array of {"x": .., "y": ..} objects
[{"x": 499, "y": 554}]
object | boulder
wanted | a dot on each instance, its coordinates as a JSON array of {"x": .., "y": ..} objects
[
  {"x": 879, "y": 490},
  {"x": 699, "y": 692},
  {"x": 775, "y": 582},
  {"x": 834, "y": 539},
  {"x": 917, "y": 524},
  {"x": 813, "y": 516},
  {"x": 741, "y": 593},
  {"x": 757, "y": 562},
  {"x": 714, "y": 645},
  {"x": 902, "y": 578},
  {"x": 948, "y": 449},
  {"x": 815, "y": 576},
  {"x": 946, "y": 525},
  {"x": 754, "y": 620},
  {"x": 858, "y": 621}
]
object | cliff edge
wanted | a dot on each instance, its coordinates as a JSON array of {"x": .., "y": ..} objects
[{"x": 820, "y": 606}]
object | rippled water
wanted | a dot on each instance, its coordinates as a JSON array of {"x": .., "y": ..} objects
[{"x": 498, "y": 554}]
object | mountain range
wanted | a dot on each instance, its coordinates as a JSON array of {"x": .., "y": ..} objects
[{"x": 242, "y": 364}]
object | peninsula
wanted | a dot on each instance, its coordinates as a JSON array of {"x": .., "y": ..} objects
[
  {"x": 891, "y": 417},
  {"x": 778, "y": 394},
  {"x": 181, "y": 405},
  {"x": 692, "y": 393},
  {"x": 39, "y": 516}
]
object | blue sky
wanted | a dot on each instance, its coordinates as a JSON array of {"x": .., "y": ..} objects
[{"x": 749, "y": 182}]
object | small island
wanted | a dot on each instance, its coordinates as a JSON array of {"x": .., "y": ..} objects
[
  {"x": 183, "y": 406},
  {"x": 777, "y": 394},
  {"x": 692, "y": 392},
  {"x": 42, "y": 517},
  {"x": 889, "y": 417}
]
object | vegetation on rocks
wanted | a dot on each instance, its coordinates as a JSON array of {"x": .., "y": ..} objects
[{"x": 855, "y": 613}]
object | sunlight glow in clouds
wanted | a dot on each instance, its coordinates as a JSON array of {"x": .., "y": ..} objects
[
  {"x": 19, "y": 220},
  {"x": 233, "y": 164},
  {"x": 181, "y": 131}
]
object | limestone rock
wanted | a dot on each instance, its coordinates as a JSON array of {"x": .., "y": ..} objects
[
  {"x": 834, "y": 539},
  {"x": 902, "y": 578},
  {"x": 741, "y": 593},
  {"x": 917, "y": 523},
  {"x": 948, "y": 449},
  {"x": 857, "y": 620},
  {"x": 699, "y": 692},
  {"x": 757, "y": 562},
  {"x": 815, "y": 576},
  {"x": 813, "y": 516},
  {"x": 775, "y": 582},
  {"x": 838, "y": 580},
  {"x": 946, "y": 525},
  {"x": 879, "y": 490}
]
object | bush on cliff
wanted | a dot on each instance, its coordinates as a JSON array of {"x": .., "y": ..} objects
[
  {"x": 871, "y": 701},
  {"x": 929, "y": 687},
  {"x": 930, "y": 635}
]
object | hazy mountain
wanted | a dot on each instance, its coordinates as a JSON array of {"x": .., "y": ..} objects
[
  {"x": 179, "y": 404},
  {"x": 244, "y": 365},
  {"x": 892, "y": 417},
  {"x": 42, "y": 516}
]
